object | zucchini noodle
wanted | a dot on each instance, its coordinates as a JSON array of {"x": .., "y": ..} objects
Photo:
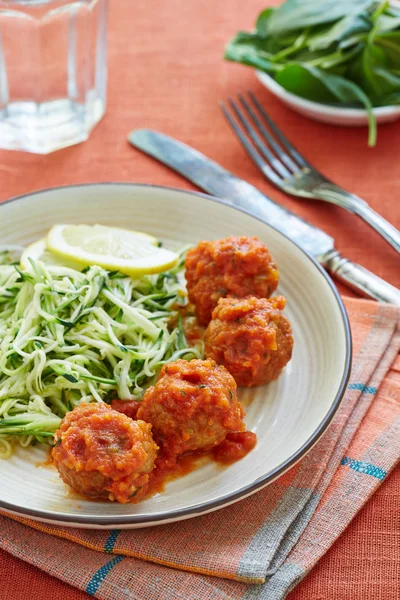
[
  {"x": 6, "y": 448},
  {"x": 68, "y": 337}
]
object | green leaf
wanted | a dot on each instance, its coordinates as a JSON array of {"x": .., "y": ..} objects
[
  {"x": 372, "y": 72},
  {"x": 389, "y": 84},
  {"x": 250, "y": 49},
  {"x": 390, "y": 43},
  {"x": 347, "y": 28},
  {"x": 262, "y": 21},
  {"x": 314, "y": 84},
  {"x": 305, "y": 82},
  {"x": 391, "y": 99},
  {"x": 393, "y": 11},
  {"x": 298, "y": 14},
  {"x": 339, "y": 58},
  {"x": 380, "y": 9},
  {"x": 385, "y": 24}
]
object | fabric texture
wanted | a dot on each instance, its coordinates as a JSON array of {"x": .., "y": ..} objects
[{"x": 261, "y": 547}]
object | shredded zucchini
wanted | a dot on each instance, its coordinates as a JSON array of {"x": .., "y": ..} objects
[{"x": 68, "y": 337}]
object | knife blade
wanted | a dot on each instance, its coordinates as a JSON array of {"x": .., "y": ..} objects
[{"x": 214, "y": 179}]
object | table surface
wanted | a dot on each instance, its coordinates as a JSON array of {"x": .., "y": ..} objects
[{"x": 166, "y": 72}]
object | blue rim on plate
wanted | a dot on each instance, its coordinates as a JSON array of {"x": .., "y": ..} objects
[{"x": 259, "y": 483}]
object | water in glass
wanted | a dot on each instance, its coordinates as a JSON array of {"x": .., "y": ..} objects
[{"x": 53, "y": 72}]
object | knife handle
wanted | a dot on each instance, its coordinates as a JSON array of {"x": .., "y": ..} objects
[{"x": 361, "y": 280}]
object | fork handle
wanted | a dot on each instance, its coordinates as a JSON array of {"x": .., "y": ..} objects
[
  {"x": 359, "y": 279},
  {"x": 336, "y": 195},
  {"x": 383, "y": 227}
]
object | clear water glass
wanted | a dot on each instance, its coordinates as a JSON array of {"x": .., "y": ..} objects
[{"x": 53, "y": 72}]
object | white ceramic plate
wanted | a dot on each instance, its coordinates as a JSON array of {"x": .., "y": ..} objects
[
  {"x": 323, "y": 112},
  {"x": 288, "y": 415}
]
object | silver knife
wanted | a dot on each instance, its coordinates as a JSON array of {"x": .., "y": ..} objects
[{"x": 214, "y": 179}]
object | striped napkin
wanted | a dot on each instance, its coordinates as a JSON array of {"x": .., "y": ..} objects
[{"x": 261, "y": 547}]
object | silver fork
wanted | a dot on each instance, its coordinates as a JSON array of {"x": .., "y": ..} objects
[{"x": 288, "y": 170}]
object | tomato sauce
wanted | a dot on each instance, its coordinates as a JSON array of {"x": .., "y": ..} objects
[
  {"x": 194, "y": 332},
  {"x": 234, "y": 447},
  {"x": 169, "y": 467},
  {"x": 126, "y": 407}
]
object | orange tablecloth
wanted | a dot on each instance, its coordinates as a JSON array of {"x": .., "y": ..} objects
[{"x": 166, "y": 72}]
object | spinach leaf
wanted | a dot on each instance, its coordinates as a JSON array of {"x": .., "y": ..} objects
[
  {"x": 390, "y": 43},
  {"x": 262, "y": 21},
  {"x": 345, "y": 29},
  {"x": 392, "y": 99},
  {"x": 372, "y": 72},
  {"x": 305, "y": 82},
  {"x": 314, "y": 84},
  {"x": 393, "y": 11},
  {"x": 298, "y": 14},
  {"x": 250, "y": 49},
  {"x": 385, "y": 23},
  {"x": 342, "y": 52}
]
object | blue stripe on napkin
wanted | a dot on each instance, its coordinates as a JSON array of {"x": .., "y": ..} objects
[
  {"x": 362, "y": 388},
  {"x": 112, "y": 538},
  {"x": 364, "y": 467},
  {"x": 101, "y": 574}
]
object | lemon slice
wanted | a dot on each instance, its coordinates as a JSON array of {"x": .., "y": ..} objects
[
  {"x": 39, "y": 251},
  {"x": 130, "y": 252}
]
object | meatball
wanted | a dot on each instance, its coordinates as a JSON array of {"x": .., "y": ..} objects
[
  {"x": 251, "y": 338},
  {"x": 101, "y": 453},
  {"x": 192, "y": 406},
  {"x": 235, "y": 266}
]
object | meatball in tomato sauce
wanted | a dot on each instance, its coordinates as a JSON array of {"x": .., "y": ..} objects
[
  {"x": 192, "y": 406},
  {"x": 251, "y": 337},
  {"x": 101, "y": 453},
  {"x": 234, "y": 266}
]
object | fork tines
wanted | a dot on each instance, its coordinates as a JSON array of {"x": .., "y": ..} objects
[{"x": 266, "y": 145}]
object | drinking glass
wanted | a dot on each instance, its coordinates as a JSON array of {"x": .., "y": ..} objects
[{"x": 53, "y": 72}]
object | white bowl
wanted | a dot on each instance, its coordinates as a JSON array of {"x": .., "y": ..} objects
[
  {"x": 349, "y": 117},
  {"x": 288, "y": 416}
]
